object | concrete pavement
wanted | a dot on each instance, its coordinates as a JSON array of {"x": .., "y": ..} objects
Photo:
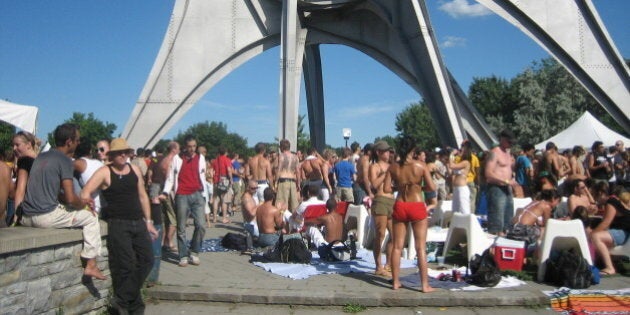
[{"x": 229, "y": 277}]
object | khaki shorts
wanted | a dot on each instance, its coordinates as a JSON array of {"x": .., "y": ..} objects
[
  {"x": 169, "y": 212},
  {"x": 287, "y": 192},
  {"x": 383, "y": 206}
]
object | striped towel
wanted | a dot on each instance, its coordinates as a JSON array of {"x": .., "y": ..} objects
[{"x": 596, "y": 302}]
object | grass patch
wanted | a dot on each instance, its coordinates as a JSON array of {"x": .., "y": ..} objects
[{"x": 354, "y": 308}]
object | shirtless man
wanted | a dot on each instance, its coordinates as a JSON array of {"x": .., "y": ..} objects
[
  {"x": 552, "y": 162},
  {"x": 382, "y": 208},
  {"x": 249, "y": 205},
  {"x": 314, "y": 170},
  {"x": 332, "y": 223},
  {"x": 269, "y": 220},
  {"x": 287, "y": 181},
  {"x": 361, "y": 186},
  {"x": 576, "y": 163},
  {"x": 259, "y": 169},
  {"x": 581, "y": 196},
  {"x": 498, "y": 173}
]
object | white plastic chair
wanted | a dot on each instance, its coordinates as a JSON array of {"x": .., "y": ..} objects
[
  {"x": 361, "y": 215},
  {"x": 520, "y": 203},
  {"x": 559, "y": 235},
  {"x": 466, "y": 228},
  {"x": 434, "y": 234},
  {"x": 443, "y": 212}
]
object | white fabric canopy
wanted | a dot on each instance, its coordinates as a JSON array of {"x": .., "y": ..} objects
[
  {"x": 584, "y": 132},
  {"x": 21, "y": 116}
]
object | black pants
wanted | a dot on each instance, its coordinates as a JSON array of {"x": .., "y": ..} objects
[{"x": 130, "y": 261}]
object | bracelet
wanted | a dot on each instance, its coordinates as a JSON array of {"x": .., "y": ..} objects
[{"x": 147, "y": 221}]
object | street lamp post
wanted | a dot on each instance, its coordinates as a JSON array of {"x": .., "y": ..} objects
[{"x": 347, "y": 132}]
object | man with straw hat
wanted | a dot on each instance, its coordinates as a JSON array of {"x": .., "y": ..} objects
[{"x": 130, "y": 228}]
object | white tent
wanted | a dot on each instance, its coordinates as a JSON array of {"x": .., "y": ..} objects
[
  {"x": 584, "y": 132},
  {"x": 21, "y": 116}
]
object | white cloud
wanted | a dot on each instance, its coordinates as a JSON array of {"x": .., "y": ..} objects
[
  {"x": 462, "y": 8},
  {"x": 453, "y": 41}
]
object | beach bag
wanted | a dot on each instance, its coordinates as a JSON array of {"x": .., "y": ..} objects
[
  {"x": 224, "y": 184},
  {"x": 569, "y": 269},
  {"x": 335, "y": 251},
  {"x": 294, "y": 250},
  {"x": 484, "y": 270},
  {"x": 234, "y": 241}
]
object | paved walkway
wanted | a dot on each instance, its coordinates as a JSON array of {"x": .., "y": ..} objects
[{"x": 230, "y": 277}]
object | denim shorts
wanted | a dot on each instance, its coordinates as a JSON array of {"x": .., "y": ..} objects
[{"x": 619, "y": 237}]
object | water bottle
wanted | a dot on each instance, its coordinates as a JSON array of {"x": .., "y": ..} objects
[{"x": 353, "y": 247}]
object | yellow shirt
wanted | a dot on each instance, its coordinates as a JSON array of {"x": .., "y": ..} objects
[{"x": 474, "y": 166}]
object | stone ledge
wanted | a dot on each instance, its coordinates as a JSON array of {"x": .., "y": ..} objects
[
  {"x": 401, "y": 298},
  {"x": 20, "y": 238}
]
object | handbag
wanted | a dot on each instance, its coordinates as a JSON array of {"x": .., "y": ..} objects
[{"x": 223, "y": 184}]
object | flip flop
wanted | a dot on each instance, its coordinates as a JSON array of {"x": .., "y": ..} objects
[{"x": 606, "y": 274}]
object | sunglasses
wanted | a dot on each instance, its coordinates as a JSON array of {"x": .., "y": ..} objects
[
  {"x": 101, "y": 149},
  {"x": 253, "y": 188}
]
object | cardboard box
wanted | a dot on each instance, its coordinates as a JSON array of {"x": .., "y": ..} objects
[{"x": 509, "y": 254}]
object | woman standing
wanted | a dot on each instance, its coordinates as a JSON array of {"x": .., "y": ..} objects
[
  {"x": 461, "y": 192},
  {"x": 382, "y": 207},
  {"x": 410, "y": 179},
  {"x": 25, "y": 150}
]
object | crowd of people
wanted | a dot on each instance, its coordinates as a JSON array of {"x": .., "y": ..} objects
[{"x": 147, "y": 197}]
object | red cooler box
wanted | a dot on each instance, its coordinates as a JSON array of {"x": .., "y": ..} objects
[{"x": 509, "y": 254}]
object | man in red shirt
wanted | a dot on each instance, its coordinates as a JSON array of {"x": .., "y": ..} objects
[
  {"x": 222, "y": 184},
  {"x": 186, "y": 177}
]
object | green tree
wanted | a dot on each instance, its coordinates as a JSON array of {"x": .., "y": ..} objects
[
  {"x": 415, "y": 121},
  {"x": 92, "y": 129},
  {"x": 494, "y": 99},
  {"x": 213, "y": 135},
  {"x": 303, "y": 138},
  {"x": 6, "y": 133}
]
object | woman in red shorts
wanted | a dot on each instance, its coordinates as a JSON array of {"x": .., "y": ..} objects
[{"x": 409, "y": 178}]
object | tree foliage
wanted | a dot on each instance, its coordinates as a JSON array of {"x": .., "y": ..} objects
[
  {"x": 303, "y": 138},
  {"x": 213, "y": 135},
  {"x": 415, "y": 121},
  {"x": 537, "y": 103},
  {"x": 92, "y": 129},
  {"x": 6, "y": 133}
]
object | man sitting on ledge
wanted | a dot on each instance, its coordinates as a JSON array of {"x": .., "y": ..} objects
[{"x": 51, "y": 177}]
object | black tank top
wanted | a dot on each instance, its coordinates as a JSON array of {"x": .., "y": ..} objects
[
  {"x": 599, "y": 160},
  {"x": 123, "y": 201}
]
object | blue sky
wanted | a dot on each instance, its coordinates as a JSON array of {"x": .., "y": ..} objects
[{"x": 68, "y": 56}]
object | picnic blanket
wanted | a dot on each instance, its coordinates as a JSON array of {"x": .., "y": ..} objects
[
  {"x": 592, "y": 302},
  {"x": 364, "y": 263},
  {"x": 212, "y": 245},
  {"x": 413, "y": 281}
]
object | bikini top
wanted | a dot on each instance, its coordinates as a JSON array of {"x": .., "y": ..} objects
[{"x": 539, "y": 219}]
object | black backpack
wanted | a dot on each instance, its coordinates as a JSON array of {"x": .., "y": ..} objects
[
  {"x": 484, "y": 270},
  {"x": 569, "y": 269},
  {"x": 234, "y": 241},
  {"x": 294, "y": 250}
]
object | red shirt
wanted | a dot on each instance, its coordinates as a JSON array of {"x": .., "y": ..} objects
[
  {"x": 220, "y": 166},
  {"x": 188, "y": 178}
]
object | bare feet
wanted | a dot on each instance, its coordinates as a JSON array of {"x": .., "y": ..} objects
[
  {"x": 427, "y": 289},
  {"x": 607, "y": 272},
  {"x": 396, "y": 285},
  {"x": 383, "y": 272},
  {"x": 94, "y": 273},
  {"x": 226, "y": 221}
]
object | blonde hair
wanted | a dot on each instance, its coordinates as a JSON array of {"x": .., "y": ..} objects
[{"x": 28, "y": 138}]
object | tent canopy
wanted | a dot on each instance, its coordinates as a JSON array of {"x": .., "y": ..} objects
[
  {"x": 20, "y": 116},
  {"x": 584, "y": 132}
]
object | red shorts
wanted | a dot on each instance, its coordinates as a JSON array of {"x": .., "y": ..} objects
[{"x": 409, "y": 211}]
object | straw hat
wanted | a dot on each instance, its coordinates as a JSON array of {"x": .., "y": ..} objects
[{"x": 119, "y": 144}]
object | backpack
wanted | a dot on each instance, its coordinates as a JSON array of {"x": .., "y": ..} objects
[
  {"x": 335, "y": 251},
  {"x": 294, "y": 250},
  {"x": 234, "y": 241},
  {"x": 569, "y": 269},
  {"x": 484, "y": 270}
]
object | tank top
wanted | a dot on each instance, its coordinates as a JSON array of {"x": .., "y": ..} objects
[
  {"x": 123, "y": 201},
  {"x": 91, "y": 165},
  {"x": 599, "y": 173}
]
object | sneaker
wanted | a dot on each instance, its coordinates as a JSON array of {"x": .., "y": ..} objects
[
  {"x": 194, "y": 260},
  {"x": 183, "y": 262}
]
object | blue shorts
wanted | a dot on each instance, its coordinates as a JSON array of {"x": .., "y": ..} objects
[{"x": 619, "y": 237}]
